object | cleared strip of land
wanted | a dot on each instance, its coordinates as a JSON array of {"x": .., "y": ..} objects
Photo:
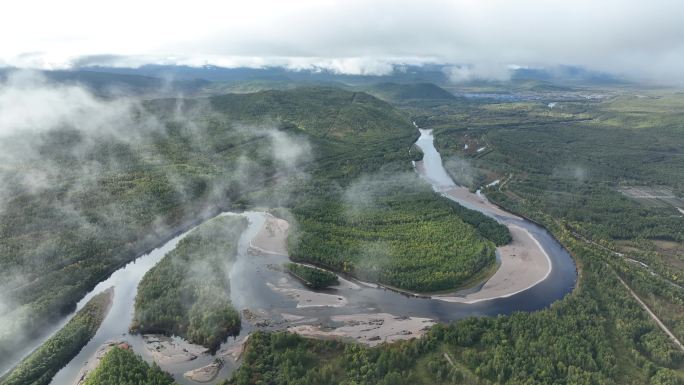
[{"x": 660, "y": 323}]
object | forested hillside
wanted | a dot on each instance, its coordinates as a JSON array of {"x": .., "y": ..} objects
[
  {"x": 360, "y": 209},
  {"x": 402, "y": 92},
  {"x": 591, "y": 164},
  {"x": 107, "y": 198},
  {"x": 140, "y": 173}
]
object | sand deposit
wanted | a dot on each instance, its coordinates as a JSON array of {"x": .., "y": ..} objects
[
  {"x": 370, "y": 329},
  {"x": 205, "y": 373},
  {"x": 306, "y": 298},
  {"x": 167, "y": 351},
  {"x": 272, "y": 237}
]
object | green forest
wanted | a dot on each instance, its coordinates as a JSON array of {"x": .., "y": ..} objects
[
  {"x": 394, "y": 231},
  {"x": 571, "y": 166},
  {"x": 361, "y": 210},
  {"x": 188, "y": 293},
  {"x": 596, "y": 335},
  {"x": 571, "y": 163},
  {"x": 123, "y": 367},
  {"x": 109, "y": 199},
  {"x": 41, "y": 365},
  {"x": 137, "y": 196}
]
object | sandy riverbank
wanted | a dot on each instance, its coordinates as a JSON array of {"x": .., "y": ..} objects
[
  {"x": 306, "y": 298},
  {"x": 272, "y": 237},
  {"x": 524, "y": 263},
  {"x": 168, "y": 351},
  {"x": 459, "y": 193},
  {"x": 206, "y": 373},
  {"x": 369, "y": 329},
  {"x": 235, "y": 350},
  {"x": 94, "y": 361}
]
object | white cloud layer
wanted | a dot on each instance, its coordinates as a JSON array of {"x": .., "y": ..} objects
[{"x": 641, "y": 38}]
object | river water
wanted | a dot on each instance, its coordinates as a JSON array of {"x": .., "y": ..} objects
[
  {"x": 253, "y": 278},
  {"x": 563, "y": 274}
]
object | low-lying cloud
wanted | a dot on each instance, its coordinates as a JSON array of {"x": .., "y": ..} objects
[
  {"x": 471, "y": 72},
  {"x": 461, "y": 170},
  {"x": 576, "y": 172},
  {"x": 73, "y": 163},
  {"x": 29, "y": 103}
]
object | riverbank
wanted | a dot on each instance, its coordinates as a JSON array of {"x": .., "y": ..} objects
[
  {"x": 308, "y": 298},
  {"x": 206, "y": 373},
  {"x": 160, "y": 237},
  {"x": 169, "y": 351},
  {"x": 368, "y": 329},
  {"x": 94, "y": 361},
  {"x": 353, "y": 310},
  {"x": 523, "y": 262},
  {"x": 478, "y": 201}
]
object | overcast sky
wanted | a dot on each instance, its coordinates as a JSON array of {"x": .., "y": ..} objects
[{"x": 639, "y": 38}]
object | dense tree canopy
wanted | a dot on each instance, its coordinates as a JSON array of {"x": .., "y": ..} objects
[
  {"x": 313, "y": 277},
  {"x": 123, "y": 367},
  {"x": 41, "y": 365},
  {"x": 188, "y": 293}
]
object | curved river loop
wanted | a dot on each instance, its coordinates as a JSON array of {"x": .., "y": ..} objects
[{"x": 271, "y": 299}]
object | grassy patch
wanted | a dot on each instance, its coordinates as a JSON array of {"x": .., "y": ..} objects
[{"x": 313, "y": 277}]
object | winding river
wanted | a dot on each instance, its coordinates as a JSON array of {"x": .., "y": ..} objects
[{"x": 274, "y": 298}]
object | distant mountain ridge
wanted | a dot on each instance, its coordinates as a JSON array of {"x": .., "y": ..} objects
[
  {"x": 430, "y": 73},
  {"x": 400, "y": 92},
  {"x": 114, "y": 84},
  {"x": 319, "y": 111},
  {"x": 403, "y": 83}
]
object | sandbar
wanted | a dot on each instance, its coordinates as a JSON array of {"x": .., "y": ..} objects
[
  {"x": 306, "y": 298},
  {"x": 524, "y": 263},
  {"x": 369, "y": 329},
  {"x": 167, "y": 351},
  {"x": 272, "y": 237}
]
